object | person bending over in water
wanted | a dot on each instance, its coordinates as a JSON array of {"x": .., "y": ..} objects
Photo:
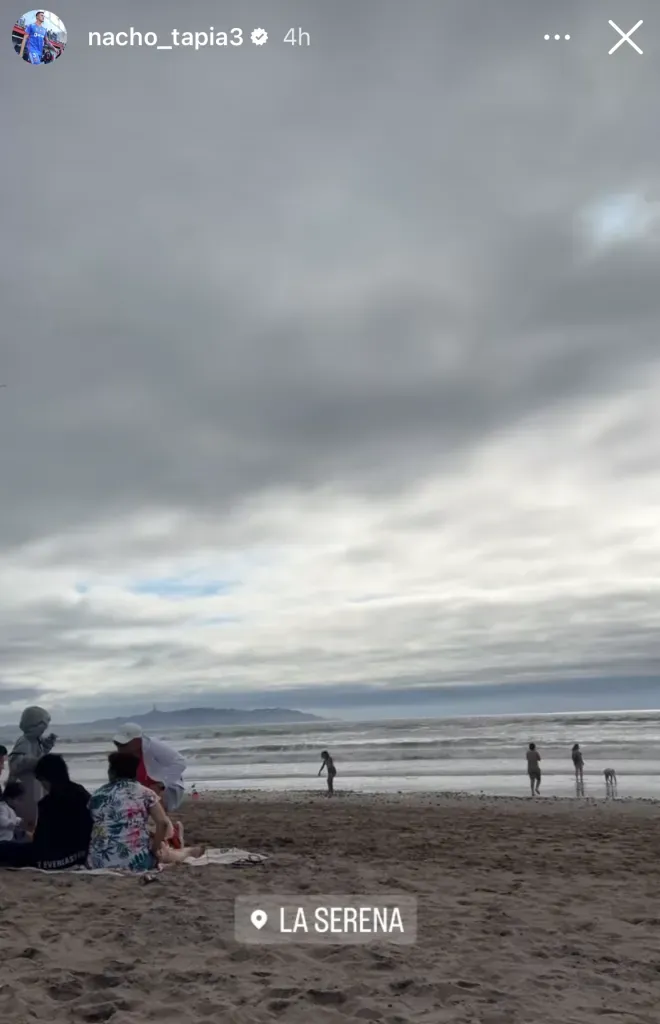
[
  {"x": 534, "y": 769},
  {"x": 332, "y": 771}
]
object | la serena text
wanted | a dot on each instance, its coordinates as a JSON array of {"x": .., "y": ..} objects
[{"x": 342, "y": 920}]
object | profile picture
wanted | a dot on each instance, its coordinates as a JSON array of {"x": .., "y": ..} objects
[{"x": 39, "y": 37}]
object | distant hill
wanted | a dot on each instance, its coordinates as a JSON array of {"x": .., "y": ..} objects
[{"x": 196, "y": 718}]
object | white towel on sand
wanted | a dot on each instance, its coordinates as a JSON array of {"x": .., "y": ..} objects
[{"x": 232, "y": 857}]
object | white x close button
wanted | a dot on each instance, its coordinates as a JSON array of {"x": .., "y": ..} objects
[{"x": 625, "y": 37}]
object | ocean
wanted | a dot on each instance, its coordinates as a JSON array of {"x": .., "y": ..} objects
[{"x": 471, "y": 755}]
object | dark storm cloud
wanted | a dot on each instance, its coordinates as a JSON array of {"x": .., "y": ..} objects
[
  {"x": 239, "y": 274},
  {"x": 158, "y": 366},
  {"x": 9, "y": 693}
]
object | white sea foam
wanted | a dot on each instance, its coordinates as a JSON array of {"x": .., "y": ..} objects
[{"x": 457, "y": 754}]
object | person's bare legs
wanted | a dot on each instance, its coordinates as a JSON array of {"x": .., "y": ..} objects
[
  {"x": 531, "y": 782},
  {"x": 579, "y": 782},
  {"x": 610, "y": 786},
  {"x": 176, "y": 855},
  {"x": 168, "y": 855}
]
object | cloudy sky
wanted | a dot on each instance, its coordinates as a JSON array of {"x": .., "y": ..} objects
[{"x": 332, "y": 373}]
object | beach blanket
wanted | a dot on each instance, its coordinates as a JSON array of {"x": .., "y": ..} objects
[{"x": 231, "y": 857}]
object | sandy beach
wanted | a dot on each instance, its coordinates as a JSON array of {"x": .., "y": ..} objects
[{"x": 528, "y": 911}]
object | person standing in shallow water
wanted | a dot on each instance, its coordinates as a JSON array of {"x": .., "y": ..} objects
[
  {"x": 534, "y": 769},
  {"x": 578, "y": 764},
  {"x": 332, "y": 771}
]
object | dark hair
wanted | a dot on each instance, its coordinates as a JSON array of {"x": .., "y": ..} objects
[
  {"x": 123, "y": 766},
  {"x": 12, "y": 791},
  {"x": 576, "y": 746},
  {"x": 37, "y": 13},
  {"x": 532, "y": 746},
  {"x": 52, "y": 768},
  {"x": 3, "y": 751},
  {"x": 324, "y": 753}
]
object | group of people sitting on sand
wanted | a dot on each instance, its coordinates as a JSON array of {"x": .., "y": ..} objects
[
  {"x": 577, "y": 757},
  {"x": 49, "y": 822}
]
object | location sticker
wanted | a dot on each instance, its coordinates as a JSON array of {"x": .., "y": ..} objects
[
  {"x": 258, "y": 918},
  {"x": 267, "y": 919}
]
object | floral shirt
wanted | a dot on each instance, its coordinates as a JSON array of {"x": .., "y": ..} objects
[{"x": 120, "y": 832}]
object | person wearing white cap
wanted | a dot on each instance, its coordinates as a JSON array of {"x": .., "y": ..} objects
[{"x": 160, "y": 764}]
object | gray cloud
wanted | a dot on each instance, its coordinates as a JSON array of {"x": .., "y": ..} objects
[
  {"x": 9, "y": 694},
  {"x": 332, "y": 320}
]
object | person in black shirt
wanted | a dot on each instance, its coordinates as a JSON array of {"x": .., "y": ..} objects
[{"x": 64, "y": 824}]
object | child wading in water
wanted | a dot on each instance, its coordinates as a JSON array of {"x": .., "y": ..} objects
[
  {"x": 534, "y": 769},
  {"x": 332, "y": 771}
]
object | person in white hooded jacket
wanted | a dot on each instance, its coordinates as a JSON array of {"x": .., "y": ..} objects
[
  {"x": 28, "y": 749},
  {"x": 160, "y": 764}
]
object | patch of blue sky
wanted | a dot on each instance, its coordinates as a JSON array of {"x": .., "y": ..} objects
[
  {"x": 175, "y": 588},
  {"x": 619, "y": 218}
]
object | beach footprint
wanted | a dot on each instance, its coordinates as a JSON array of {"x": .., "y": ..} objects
[
  {"x": 279, "y": 1005},
  {"x": 369, "y": 1013},
  {"x": 65, "y": 989},
  {"x": 325, "y": 997}
]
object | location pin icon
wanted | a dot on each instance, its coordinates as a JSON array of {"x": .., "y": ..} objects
[{"x": 258, "y": 918}]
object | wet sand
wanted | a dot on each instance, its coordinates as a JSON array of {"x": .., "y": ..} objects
[{"x": 528, "y": 912}]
